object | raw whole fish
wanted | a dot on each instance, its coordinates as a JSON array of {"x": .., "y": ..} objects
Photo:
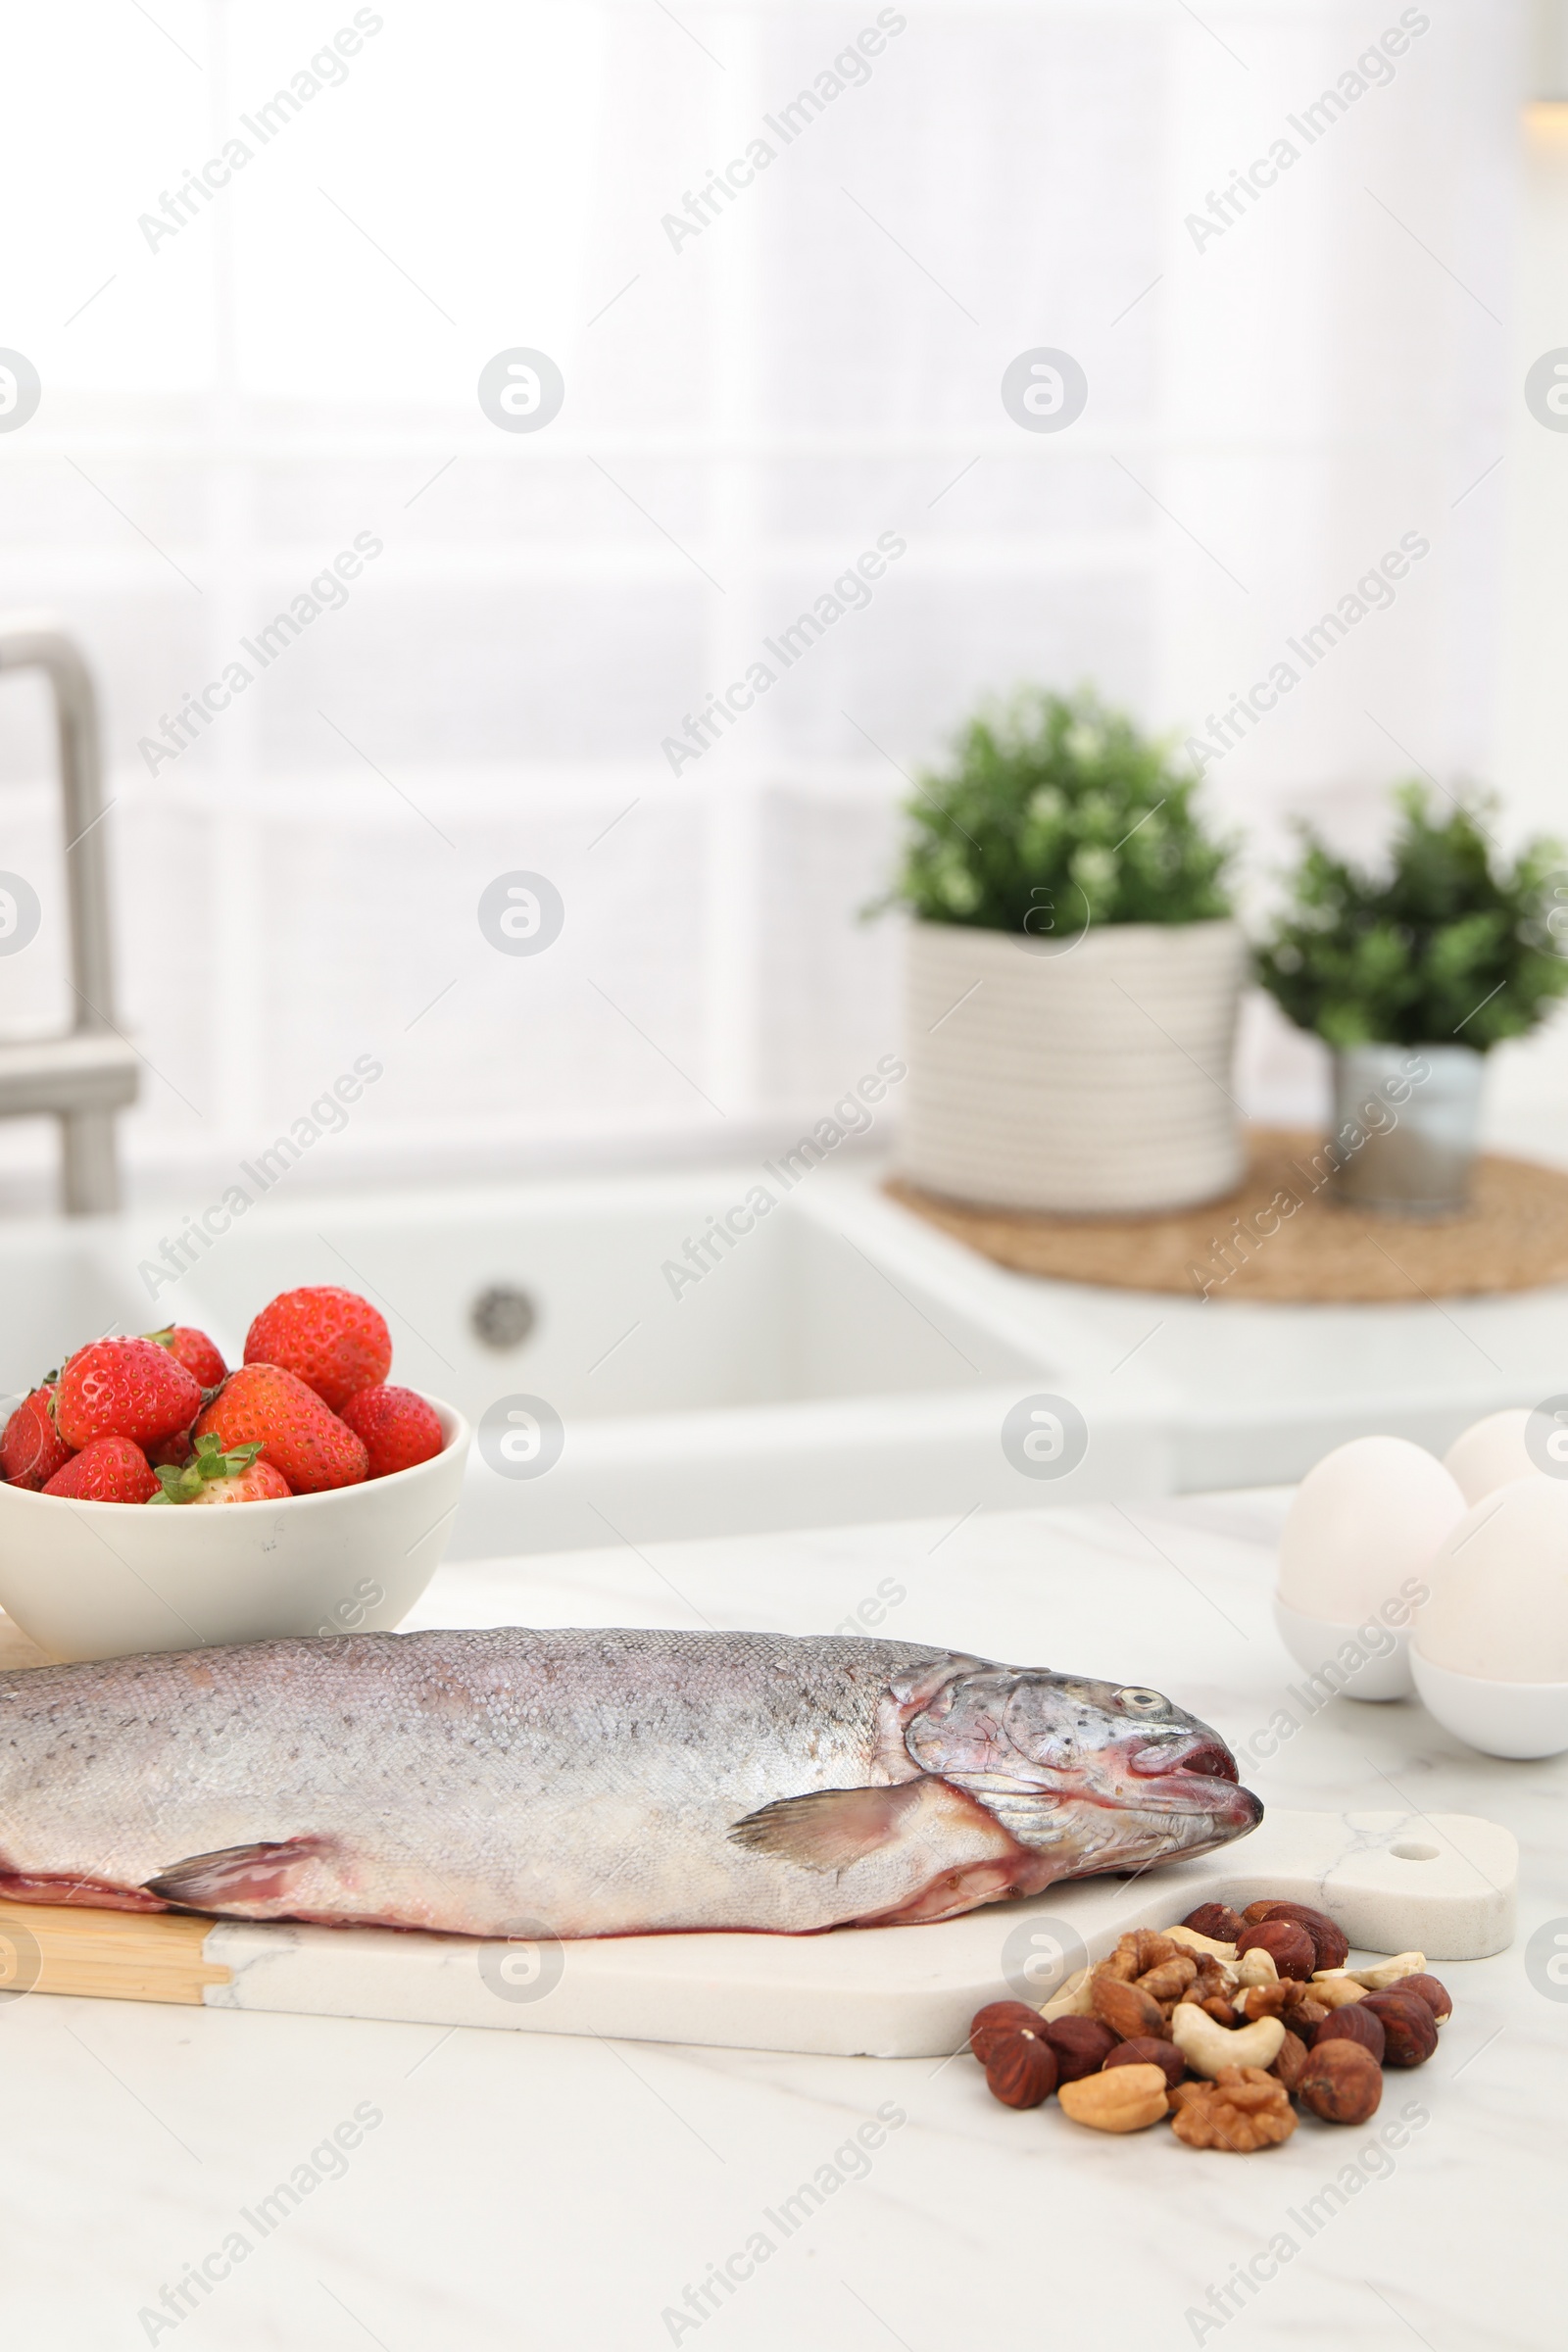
[{"x": 590, "y": 1784}]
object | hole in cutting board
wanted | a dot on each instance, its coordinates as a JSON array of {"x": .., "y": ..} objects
[{"x": 1415, "y": 1854}]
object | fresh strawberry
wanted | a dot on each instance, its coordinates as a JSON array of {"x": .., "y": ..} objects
[
  {"x": 333, "y": 1340},
  {"x": 194, "y": 1350},
  {"x": 214, "y": 1476},
  {"x": 398, "y": 1427},
  {"x": 124, "y": 1389},
  {"x": 267, "y": 1405},
  {"x": 170, "y": 1454},
  {"x": 260, "y": 1482},
  {"x": 33, "y": 1449},
  {"x": 106, "y": 1470}
]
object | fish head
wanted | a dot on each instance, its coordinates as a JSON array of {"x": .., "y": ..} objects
[{"x": 1091, "y": 1776}]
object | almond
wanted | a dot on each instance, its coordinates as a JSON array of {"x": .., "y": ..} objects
[{"x": 1126, "y": 2009}]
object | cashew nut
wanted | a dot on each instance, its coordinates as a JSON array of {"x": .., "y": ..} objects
[
  {"x": 1255, "y": 1966},
  {"x": 1073, "y": 2000},
  {"x": 1336, "y": 1988},
  {"x": 1190, "y": 1940},
  {"x": 1209, "y": 2046},
  {"x": 1383, "y": 1973},
  {"x": 1376, "y": 1979}
]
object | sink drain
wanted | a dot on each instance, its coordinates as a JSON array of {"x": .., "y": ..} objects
[{"x": 503, "y": 1316}]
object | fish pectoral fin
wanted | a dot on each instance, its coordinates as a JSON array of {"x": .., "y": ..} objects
[
  {"x": 238, "y": 1878},
  {"x": 828, "y": 1829}
]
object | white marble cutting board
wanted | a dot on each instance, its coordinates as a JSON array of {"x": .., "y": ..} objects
[{"x": 1442, "y": 1884}]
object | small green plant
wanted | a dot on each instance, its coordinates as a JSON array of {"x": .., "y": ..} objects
[
  {"x": 1056, "y": 814},
  {"x": 1452, "y": 946}
]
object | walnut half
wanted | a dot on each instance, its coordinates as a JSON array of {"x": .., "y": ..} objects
[{"x": 1241, "y": 2109}]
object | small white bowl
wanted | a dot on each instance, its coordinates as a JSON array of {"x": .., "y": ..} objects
[
  {"x": 1501, "y": 1719},
  {"x": 1315, "y": 1644},
  {"x": 103, "y": 1580}
]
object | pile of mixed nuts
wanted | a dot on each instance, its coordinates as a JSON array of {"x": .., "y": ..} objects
[{"x": 1220, "y": 2022}]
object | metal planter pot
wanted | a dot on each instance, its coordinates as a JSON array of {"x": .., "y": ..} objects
[{"x": 1406, "y": 1123}]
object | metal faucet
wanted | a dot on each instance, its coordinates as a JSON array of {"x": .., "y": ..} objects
[{"x": 87, "y": 1076}]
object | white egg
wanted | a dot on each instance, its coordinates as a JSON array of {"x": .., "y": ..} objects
[
  {"x": 1491, "y": 1454},
  {"x": 1499, "y": 1608},
  {"x": 1365, "y": 1521}
]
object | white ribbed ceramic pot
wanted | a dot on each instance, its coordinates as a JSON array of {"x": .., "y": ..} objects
[{"x": 1094, "y": 1074}]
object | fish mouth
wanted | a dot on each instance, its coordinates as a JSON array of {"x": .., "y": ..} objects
[
  {"x": 1237, "y": 1812},
  {"x": 1198, "y": 1774},
  {"x": 1202, "y": 1757},
  {"x": 1177, "y": 1815},
  {"x": 1179, "y": 1794}
]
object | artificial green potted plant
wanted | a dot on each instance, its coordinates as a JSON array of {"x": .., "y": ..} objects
[
  {"x": 1410, "y": 976},
  {"x": 1073, "y": 970}
]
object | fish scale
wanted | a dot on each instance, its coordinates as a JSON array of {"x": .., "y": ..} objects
[{"x": 585, "y": 1783}]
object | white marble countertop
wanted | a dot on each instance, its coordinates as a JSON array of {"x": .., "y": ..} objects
[{"x": 531, "y": 2189}]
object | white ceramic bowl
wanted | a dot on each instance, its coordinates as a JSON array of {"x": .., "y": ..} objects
[
  {"x": 1316, "y": 1645},
  {"x": 101, "y": 1579},
  {"x": 1501, "y": 1719}
]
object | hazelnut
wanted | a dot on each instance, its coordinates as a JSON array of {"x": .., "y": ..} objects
[
  {"x": 1021, "y": 2070},
  {"x": 1286, "y": 1944},
  {"x": 999, "y": 2017},
  {"x": 1342, "y": 2081},
  {"x": 1435, "y": 1995},
  {"x": 1329, "y": 1940},
  {"x": 1410, "y": 2030},
  {"x": 1144, "y": 2050},
  {"x": 1355, "y": 2021},
  {"x": 1217, "y": 1921},
  {"x": 1303, "y": 2016},
  {"x": 1291, "y": 2060},
  {"x": 1082, "y": 2046}
]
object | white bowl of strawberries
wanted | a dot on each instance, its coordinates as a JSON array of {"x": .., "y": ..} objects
[{"x": 342, "y": 1488}]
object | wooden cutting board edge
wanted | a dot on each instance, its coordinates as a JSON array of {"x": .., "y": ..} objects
[{"x": 105, "y": 1955}]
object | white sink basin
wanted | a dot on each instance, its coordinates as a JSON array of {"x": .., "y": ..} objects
[{"x": 839, "y": 1362}]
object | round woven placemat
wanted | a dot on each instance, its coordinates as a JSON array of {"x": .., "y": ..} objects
[{"x": 1513, "y": 1237}]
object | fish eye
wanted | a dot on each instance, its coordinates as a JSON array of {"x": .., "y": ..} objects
[{"x": 1141, "y": 1703}]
